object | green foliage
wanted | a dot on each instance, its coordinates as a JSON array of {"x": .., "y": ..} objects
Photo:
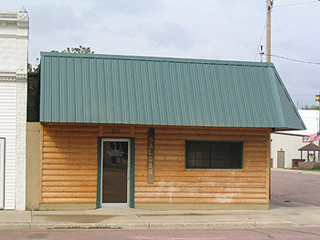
[
  {"x": 316, "y": 167},
  {"x": 80, "y": 49},
  {"x": 307, "y": 107},
  {"x": 29, "y": 67},
  {"x": 33, "y": 68}
]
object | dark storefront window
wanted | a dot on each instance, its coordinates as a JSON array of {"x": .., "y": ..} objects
[{"x": 213, "y": 154}]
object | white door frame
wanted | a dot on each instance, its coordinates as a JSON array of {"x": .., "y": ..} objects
[
  {"x": 2, "y": 167},
  {"x": 127, "y": 204}
]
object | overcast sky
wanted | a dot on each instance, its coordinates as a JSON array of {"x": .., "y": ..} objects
[{"x": 210, "y": 29}]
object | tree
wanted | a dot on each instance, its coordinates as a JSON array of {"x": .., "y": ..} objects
[
  {"x": 33, "y": 68},
  {"x": 307, "y": 107},
  {"x": 80, "y": 49},
  {"x": 30, "y": 68}
]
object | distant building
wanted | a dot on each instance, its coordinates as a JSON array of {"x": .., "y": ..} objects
[
  {"x": 14, "y": 28},
  {"x": 285, "y": 144}
]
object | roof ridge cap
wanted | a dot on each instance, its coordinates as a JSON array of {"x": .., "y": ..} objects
[{"x": 163, "y": 59}]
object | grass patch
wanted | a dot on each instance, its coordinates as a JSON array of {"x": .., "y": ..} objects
[{"x": 316, "y": 168}]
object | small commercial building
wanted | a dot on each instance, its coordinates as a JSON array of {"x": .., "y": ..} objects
[{"x": 156, "y": 133}]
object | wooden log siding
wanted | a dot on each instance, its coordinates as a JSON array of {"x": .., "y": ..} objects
[
  {"x": 69, "y": 165},
  {"x": 176, "y": 184},
  {"x": 69, "y": 161}
]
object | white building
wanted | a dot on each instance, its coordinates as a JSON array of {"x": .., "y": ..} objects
[
  {"x": 286, "y": 144},
  {"x": 14, "y": 28}
]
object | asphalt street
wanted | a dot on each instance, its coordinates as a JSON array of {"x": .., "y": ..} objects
[
  {"x": 296, "y": 186},
  {"x": 310, "y": 233}
]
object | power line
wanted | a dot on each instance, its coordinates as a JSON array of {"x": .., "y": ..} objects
[
  {"x": 277, "y": 56},
  {"x": 307, "y": 95},
  {"x": 295, "y": 60},
  {"x": 296, "y": 4}
]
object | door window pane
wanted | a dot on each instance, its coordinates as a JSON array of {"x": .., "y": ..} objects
[{"x": 114, "y": 173}]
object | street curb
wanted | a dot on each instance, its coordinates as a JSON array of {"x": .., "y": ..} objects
[
  {"x": 146, "y": 226},
  {"x": 206, "y": 225},
  {"x": 10, "y": 226},
  {"x": 276, "y": 225},
  {"x": 107, "y": 226}
]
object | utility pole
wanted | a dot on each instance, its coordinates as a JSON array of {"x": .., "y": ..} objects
[{"x": 268, "y": 33}]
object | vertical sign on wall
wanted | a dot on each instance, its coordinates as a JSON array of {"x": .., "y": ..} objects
[{"x": 150, "y": 172}]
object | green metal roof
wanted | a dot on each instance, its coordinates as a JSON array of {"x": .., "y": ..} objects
[{"x": 92, "y": 88}]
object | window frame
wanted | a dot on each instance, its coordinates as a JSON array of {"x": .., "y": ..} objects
[{"x": 213, "y": 141}]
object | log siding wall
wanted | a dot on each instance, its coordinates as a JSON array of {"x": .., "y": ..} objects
[
  {"x": 176, "y": 184},
  {"x": 69, "y": 165}
]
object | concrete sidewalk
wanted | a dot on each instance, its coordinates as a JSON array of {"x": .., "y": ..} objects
[
  {"x": 295, "y": 171},
  {"x": 281, "y": 214}
]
